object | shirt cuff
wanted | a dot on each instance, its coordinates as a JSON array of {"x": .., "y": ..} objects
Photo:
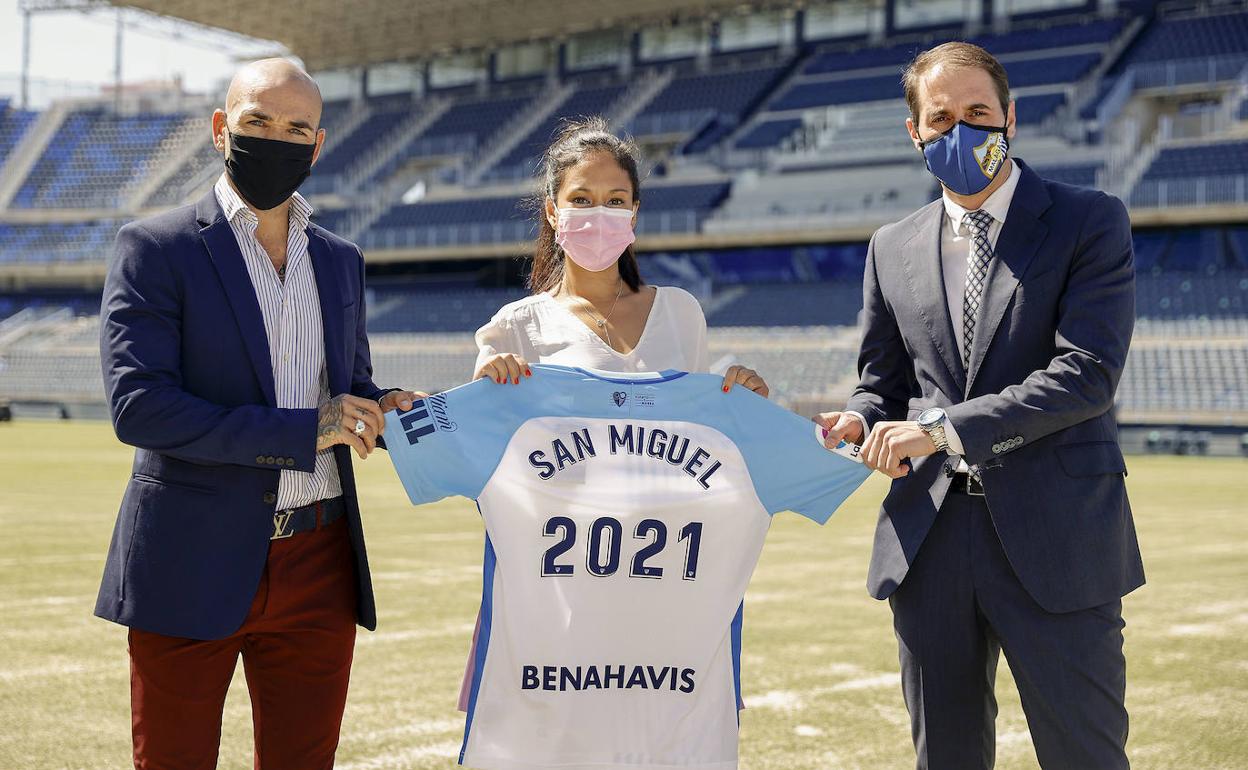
[
  {"x": 955, "y": 443},
  {"x": 866, "y": 431}
]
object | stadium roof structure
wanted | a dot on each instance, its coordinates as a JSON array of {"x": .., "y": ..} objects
[{"x": 329, "y": 34}]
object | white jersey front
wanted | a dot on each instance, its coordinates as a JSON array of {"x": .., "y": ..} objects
[{"x": 624, "y": 517}]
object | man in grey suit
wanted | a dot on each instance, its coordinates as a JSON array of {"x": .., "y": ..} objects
[{"x": 997, "y": 321}]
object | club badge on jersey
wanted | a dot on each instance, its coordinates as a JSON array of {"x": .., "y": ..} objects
[{"x": 967, "y": 157}]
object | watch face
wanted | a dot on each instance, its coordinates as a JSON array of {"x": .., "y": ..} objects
[{"x": 929, "y": 418}]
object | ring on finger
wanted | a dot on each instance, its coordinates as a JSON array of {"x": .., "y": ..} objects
[{"x": 359, "y": 427}]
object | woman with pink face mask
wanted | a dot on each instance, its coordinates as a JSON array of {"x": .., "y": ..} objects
[{"x": 589, "y": 306}]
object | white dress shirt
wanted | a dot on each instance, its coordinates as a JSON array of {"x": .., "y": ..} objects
[
  {"x": 544, "y": 330},
  {"x": 292, "y": 322},
  {"x": 957, "y": 249}
]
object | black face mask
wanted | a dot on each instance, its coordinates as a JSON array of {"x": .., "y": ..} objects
[{"x": 267, "y": 171}]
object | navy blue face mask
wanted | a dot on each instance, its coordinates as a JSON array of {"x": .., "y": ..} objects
[{"x": 967, "y": 158}]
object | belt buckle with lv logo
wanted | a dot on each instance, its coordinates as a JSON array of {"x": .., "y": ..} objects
[{"x": 281, "y": 524}]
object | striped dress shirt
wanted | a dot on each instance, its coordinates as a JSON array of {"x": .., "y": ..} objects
[{"x": 292, "y": 323}]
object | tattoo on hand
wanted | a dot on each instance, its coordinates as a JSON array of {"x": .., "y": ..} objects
[{"x": 329, "y": 422}]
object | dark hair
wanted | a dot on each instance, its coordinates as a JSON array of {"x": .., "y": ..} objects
[
  {"x": 956, "y": 54},
  {"x": 576, "y": 140}
]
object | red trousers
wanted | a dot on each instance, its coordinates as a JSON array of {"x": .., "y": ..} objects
[{"x": 296, "y": 645}]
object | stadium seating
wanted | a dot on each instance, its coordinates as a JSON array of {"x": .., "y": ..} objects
[
  {"x": 94, "y": 158},
  {"x": 1179, "y": 38},
  {"x": 520, "y": 162},
  {"x": 173, "y": 190},
  {"x": 13, "y": 125},
  {"x": 1212, "y": 172},
  {"x": 385, "y": 115},
  {"x": 1036, "y": 108},
  {"x": 1207, "y": 377},
  {"x": 57, "y": 242},
  {"x": 768, "y": 133},
  {"x": 404, "y": 310},
  {"x": 1080, "y": 174},
  {"x": 1212, "y": 159},
  {"x": 1023, "y": 73},
  {"x": 791, "y": 304},
  {"x": 739, "y": 147},
  {"x": 1032, "y": 38},
  {"x": 689, "y": 102}
]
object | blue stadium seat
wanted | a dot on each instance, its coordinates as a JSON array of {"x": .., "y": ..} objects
[
  {"x": 1169, "y": 39},
  {"x": 769, "y": 133},
  {"x": 584, "y": 102},
  {"x": 1212, "y": 172},
  {"x": 89, "y": 241},
  {"x": 1028, "y": 38},
  {"x": 13, "y": 125},
  {"x": 728, "y": 95},
  {"x": 792, "y": 304},
  {"x": 1024, "y": 73},
  {"x": 409, "y": 308},
  {"x": 1080, "y": 174},
  {"x": 1212, "y": 159},
  {"x": 93, "y": 158},
  {"x": 1037, "y": 108}
]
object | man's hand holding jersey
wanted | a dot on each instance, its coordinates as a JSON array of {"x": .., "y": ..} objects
[
  {"x": 357, "y": 422},
  {"x": 883, "y": 449}
]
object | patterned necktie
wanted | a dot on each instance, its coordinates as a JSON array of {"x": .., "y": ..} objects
[{"x": 977, "y": 271}]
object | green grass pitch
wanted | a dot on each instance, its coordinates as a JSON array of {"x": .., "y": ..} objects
[{"x": 819, "y": 663}]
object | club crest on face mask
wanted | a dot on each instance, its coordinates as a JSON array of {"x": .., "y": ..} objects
[
  {"x": 267, "y": 171},
  {"x": 967, "y": 157},
  {"x": 594, "y": 238}
]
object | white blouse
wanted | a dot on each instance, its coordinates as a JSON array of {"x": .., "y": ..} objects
[{"x": 543, "y": 330}]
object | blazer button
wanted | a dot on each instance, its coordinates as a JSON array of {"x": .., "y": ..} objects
[
  {"x": 270, "y": 498},
  {"x": 996, "y": 449},
  {"x": 269, "y": 460},
  {"x": 260, "y": 459},
  {"x": 290, "y": 462}
]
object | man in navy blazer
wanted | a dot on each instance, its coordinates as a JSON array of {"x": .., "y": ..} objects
[
  {"x": 997, "y": 322},
  {"x": 236, "y": 362}
]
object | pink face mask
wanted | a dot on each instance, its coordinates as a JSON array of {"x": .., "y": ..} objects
[{"x": 594, "y": 238}]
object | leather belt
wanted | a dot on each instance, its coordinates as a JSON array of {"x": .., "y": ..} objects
[
  {"x": 966, "y": 484},
  {"x": 291, "y": 521}
]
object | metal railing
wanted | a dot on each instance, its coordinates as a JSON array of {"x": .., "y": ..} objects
[
  {"x": 1197, "y": 191},
  {"x": 1206, "y": 69},
  {"x": 473, "y": 234}
]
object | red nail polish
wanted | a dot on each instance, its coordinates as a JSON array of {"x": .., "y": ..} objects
[
  {"x": 515, "y": 381},
  {"x": 726, "y": 387},
  {"x": 528, "y": 373}
]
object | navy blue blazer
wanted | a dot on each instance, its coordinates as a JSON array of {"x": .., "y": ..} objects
[
  {"x": 190, "y": 385},
  {"x": 1034, "y": 409}
]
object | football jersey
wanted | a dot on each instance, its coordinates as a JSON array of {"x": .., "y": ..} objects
[{"x": 624, "y": 516}]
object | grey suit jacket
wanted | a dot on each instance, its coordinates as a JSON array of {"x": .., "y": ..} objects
[{"x": 1034, "y": 407}]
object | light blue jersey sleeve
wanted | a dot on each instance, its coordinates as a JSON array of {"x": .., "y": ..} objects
[
  {"x": 788, "y": 463},
  {"x": 451, "y": 443}
]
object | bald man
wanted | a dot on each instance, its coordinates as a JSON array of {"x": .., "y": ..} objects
[{"x": 236, "y": 363}]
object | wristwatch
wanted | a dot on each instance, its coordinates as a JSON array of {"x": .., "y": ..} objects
[{"x": 932, "y": 422}]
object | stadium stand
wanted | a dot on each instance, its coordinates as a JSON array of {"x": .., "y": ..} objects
[
  {"x": 799, "y": 144},
  {"x": 1213, "y": 172},
  {"x": 521, "y": 161},
  {"x": 95, "y": 157},
  {"x": 13, "y": 125}
]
